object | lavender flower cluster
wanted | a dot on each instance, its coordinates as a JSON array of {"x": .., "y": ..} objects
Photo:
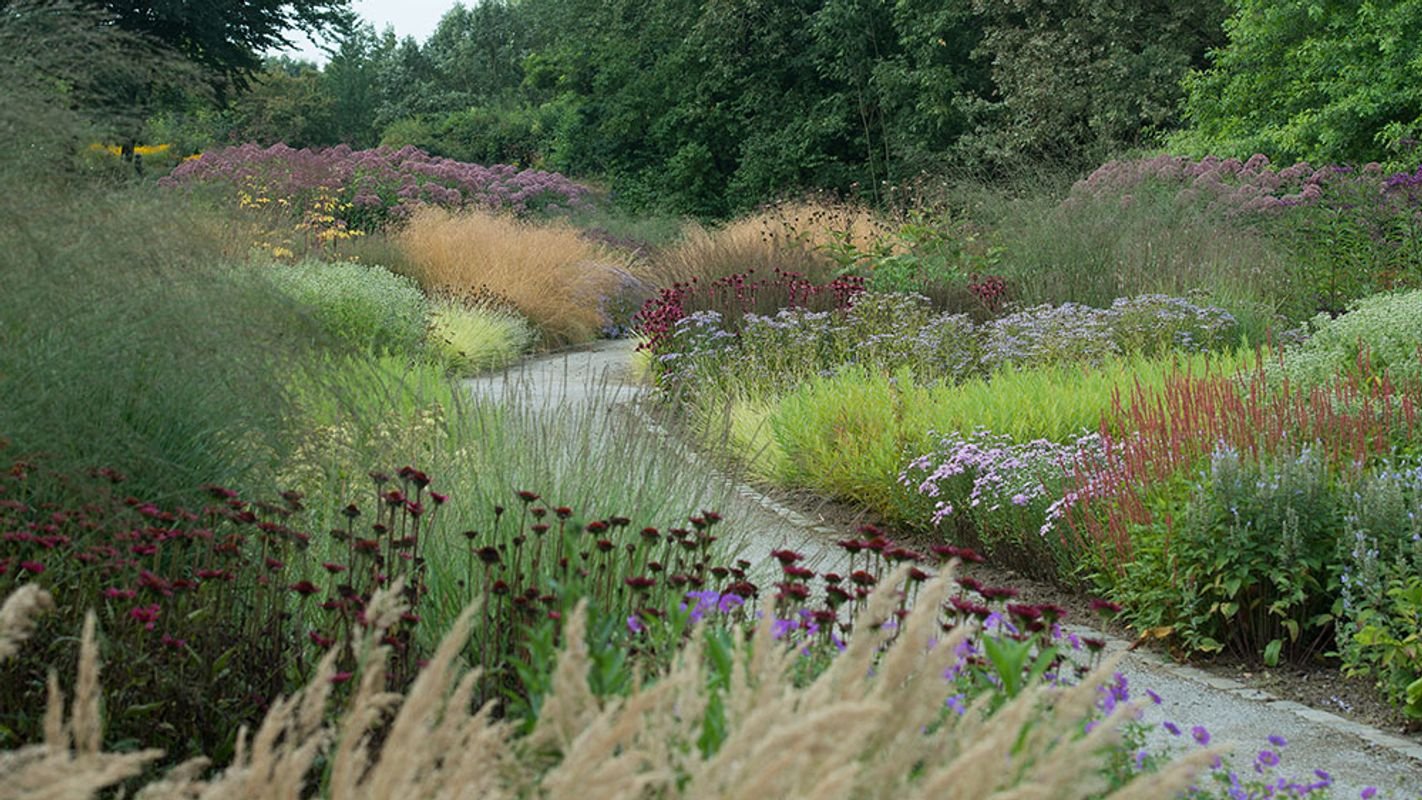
[
  {"x": 885, "y": 332},
  {"x": 984, "y": 474},
  {"x": 380, "y": 184},
  {"x": 1072, "y": 333}
]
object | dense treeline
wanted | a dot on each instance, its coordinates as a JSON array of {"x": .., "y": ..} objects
[{"x": 708, "y": 107}]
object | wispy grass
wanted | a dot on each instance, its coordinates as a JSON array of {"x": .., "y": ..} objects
[
  {"x": 1092, "y": 250},
  {"x": 887, "y": 691},
  {"x": 475, "y": 337},
  {"x": 570, "y": 442},
  {"x": 554, "y": 276}
]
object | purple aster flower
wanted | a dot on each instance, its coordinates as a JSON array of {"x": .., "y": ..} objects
[
  {"x": 1200, "y": 735},
  {"x": 1277, "y": 740},
  {"x": 1171, "y": 728}
]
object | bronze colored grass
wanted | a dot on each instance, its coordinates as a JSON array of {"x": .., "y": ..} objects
[
  {"x": 552, "y": 276},
  {"x": 789, "y": 236},
  {"x": 870, "y": 726}
]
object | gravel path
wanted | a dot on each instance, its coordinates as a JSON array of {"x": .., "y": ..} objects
[{"x": 1354, "y": 755}]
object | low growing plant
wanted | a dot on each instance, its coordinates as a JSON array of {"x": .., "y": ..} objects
[
  {"x": 476, "y": 337},
  {"x": 367, "y": 307}
]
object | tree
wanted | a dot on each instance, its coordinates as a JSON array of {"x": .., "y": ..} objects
[
  {"x": 1301, "y": 79},
  {"x": 225, "y": 37},
  {"x": 1075, "y": 81}
]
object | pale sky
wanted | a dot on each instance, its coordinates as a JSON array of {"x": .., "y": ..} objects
[{"x": 416, "y": 18}]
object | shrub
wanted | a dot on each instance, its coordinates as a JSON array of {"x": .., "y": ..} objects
[
  {"x": 1378, "y": 335},
  {"x": 548, "y": 272},
  {"x": 1381, "y": 546},
  {"x": 367, "y": 307},
  {"x": 478, "y": 337}
]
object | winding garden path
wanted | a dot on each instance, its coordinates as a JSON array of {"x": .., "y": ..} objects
[{"x": 1354, "y": 755}]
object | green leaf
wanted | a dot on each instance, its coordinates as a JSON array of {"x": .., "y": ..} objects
[
  {"x": 1271, "y": 652},
  {"x": 1208, "y": 645}
]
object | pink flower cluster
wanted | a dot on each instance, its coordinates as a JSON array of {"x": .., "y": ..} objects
[
  {"x": 380, "y": 184},
  {"x": 1230, "y": 186}
]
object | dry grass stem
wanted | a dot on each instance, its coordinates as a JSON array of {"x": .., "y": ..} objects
[
  {"x": 871, "y": 725},
  {"x": 550, "y": 273}
]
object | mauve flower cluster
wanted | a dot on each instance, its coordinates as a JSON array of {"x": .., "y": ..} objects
[
  {"x": 1232, "y": 187},
  {"x": 380, "y": 184}
]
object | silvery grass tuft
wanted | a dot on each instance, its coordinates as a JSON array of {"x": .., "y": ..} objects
[{"x": 871, "y": 725}]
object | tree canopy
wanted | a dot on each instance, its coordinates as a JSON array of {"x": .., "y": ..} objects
[{"x": 1302, "y": 79}]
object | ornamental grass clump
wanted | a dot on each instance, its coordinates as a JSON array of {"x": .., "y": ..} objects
[
  {"x": 793, "y": 237},
  {"x": 366, "y": 307},
  {"x": 1351, "y": 231},
  {"x": 480, "y": 335},
  {"x": 551, "y": 275},
  {"x": 887, "y": 686}
]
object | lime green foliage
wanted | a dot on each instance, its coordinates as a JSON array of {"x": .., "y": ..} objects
[
  {"x": 368, "y": 307},
  {"x": 850, "y": 435},
  {"x": 1326, "y": 82},
  {"x": 479, "y": 338},
  {"x": 1381, "y": 332}
]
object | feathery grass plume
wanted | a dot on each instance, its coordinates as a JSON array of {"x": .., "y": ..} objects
[
  {"x": 796, "y": 237},
  {"x": 872, "y": 725},
  {"x": 550, "y": 273},
  {"x": 69, "y": 762},
  {"x": 17, "y": 616}
]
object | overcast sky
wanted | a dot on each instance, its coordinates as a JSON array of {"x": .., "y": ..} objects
[{"x": 416, "y": 18}]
